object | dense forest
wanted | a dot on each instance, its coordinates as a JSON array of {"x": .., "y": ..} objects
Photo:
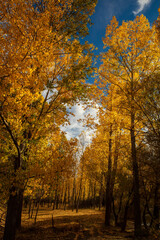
[{"x": 43, "y": 73}]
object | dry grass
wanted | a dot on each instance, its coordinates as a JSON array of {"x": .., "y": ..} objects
[
  {"x": 46, "y": 213},
  {"x": 68, "y": 225},
  {"x": 86, "y": 224}
]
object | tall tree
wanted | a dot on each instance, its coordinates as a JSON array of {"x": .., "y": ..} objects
[
  {"x": 131, "y": 52},
  {"x": 43, "y": 68}
]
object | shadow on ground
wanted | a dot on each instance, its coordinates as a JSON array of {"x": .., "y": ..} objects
[{"x": 73, "y": 228}]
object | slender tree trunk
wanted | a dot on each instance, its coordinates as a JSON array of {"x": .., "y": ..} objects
[
  {"x": 57, "y": 202},
  {"x": 146, "y": 207},
  {"x": 55, "y": 197},
  {"x": 29, "y": 209},
  {"x": 65, "y": 198},
  {"x": 100, "y": 191},
  {"x": 80, "y": 187},
  {"x": 108, "y": 183},
  {"x": 89, "y": 191},
  {"x": 69, "y": 194},
  {"x": 114, "y": 171},
  {"x": 144, "y": 217},
  {"x": 94, "y": 196},
  {"x": 37, "y": 209},
  {"x": 32, "y": 209},
  {"x": 84, "y": 193},
  {"x": 116, "y": 215},
  {"x": 156, "y": 207},
  {"x": 115, "y": 163},
  {"x": 124, "y": 222},
  {"x": 73, "y": 193},
  {"x": 79, "y": 196},
  {"x": 136, "y": 197}
]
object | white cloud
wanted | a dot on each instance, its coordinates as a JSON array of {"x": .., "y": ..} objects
[
  {"x": 142, "y": 4},
  {"x": 76, "y": 127}
]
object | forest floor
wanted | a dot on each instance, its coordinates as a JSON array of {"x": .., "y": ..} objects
[{"x": 85, "y": 225}]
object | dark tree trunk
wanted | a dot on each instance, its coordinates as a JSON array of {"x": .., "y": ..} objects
[
  {"x": 32, "y": 209},
  {"x": 100, "y": 191},
  {"x": 65, "y": 198},
  {"x": 79, "y": 197},
  {"x": 19, "y": 210},
  {"x": 14, "y": 206},
  {"x": 29, "y": 209},
  {"x": 57, "y": 202},
  {"x": 124, "y": 222},
  {"x": 116, "y": 215},
  {"x": 80, "y": 187},
  {"x": 73, "y": 193},
  {"x": 146, "y": 207},
  {"x": 84, "y": 193},
  {"x": 68, "y": 194},
  {"x": 55, "y": 198},
  {"x": 11, "y": 217},
  {"x": 136, "y": 196},
  {"x": 94, "y": 196},
  {"x": 114, "y": 171},
  {"x": 156, "y": 207},
  {"x": 89, "y": 191},
  {"x": 37, "y": 209},
  {"x": 144, "y": 217},
  {"x": 108, "y": 184},
  {"x": 108, "y": 206},
  {"x": 115, "y": 163}
]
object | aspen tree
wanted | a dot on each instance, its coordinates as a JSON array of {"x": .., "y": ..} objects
[
  {"x": 131, "y": 52},
  {"x": 43, "y": 68}
]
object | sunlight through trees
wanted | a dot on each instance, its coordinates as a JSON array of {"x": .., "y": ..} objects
[{"x": 43, "y": 72}]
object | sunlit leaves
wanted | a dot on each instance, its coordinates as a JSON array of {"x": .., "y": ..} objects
[{"x": 43, "y": 68}]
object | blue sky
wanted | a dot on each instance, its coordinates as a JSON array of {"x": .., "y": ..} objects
[
  {"x": 104, "y": 11},
  {"x": 123, "y": 10}
]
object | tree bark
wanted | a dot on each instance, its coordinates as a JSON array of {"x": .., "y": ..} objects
[
  {"x": 65, "y": 198},
  {"x": 19, "y": 210},
  {"x": 14, "y": 205},
  {"x": 136, "y": 196},
  {"x": 108, "y": 184},
  {"x": 73, "y": 193},
  {"x": 100, "y": 191},
  {"x": 124, "y": 222},
  {"x": 11, "y": 217},
  {"x": 94, "y": 196},
  {"x": 116, "y": 215},
  {"x": 156, "y": 207}
]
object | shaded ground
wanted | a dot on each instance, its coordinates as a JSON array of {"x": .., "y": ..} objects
[
  {"x": 68, "y": 225},
  {"x": 86, "y": 224}
]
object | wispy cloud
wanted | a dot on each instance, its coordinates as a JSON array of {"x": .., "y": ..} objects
[
  {"x": 141, "y": 5},
  {"x": 76, "y": 127}
]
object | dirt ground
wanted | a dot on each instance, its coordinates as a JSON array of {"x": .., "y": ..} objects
[{"x": 68, "y": 225}]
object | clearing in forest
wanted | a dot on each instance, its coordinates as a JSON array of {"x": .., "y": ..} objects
[{"x": 86, "y": 224}]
